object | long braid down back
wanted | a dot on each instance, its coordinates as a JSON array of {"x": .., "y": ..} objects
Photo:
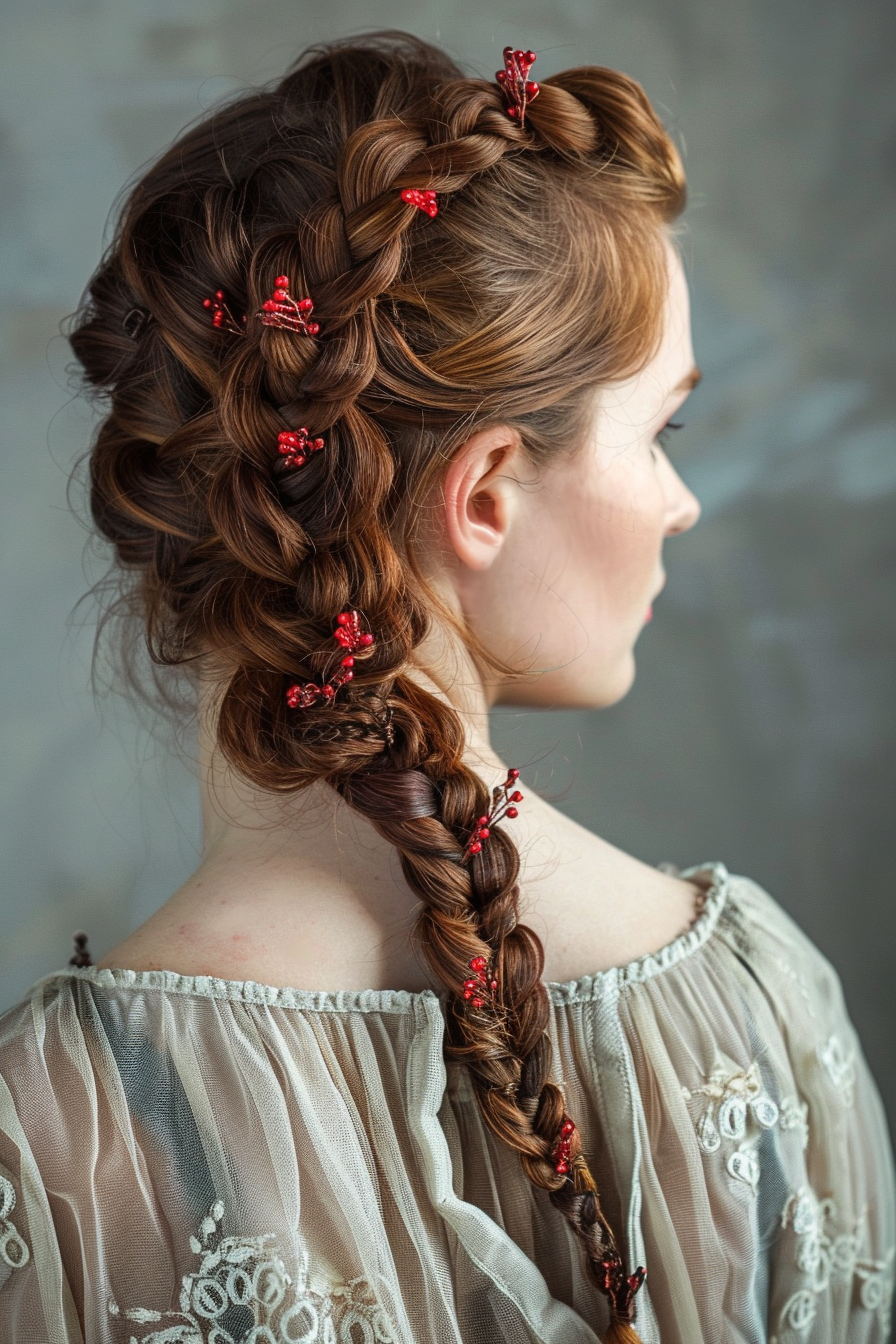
[{"x": 541, "y": 277}]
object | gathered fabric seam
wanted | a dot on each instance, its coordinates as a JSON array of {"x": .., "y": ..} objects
[{"x": 584, "y": 989}]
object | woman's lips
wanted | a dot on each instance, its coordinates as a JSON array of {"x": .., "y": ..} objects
[{"x": 648, "y": 616}]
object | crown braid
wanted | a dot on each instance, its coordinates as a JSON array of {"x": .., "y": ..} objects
[{"x": 427, "y": 328}]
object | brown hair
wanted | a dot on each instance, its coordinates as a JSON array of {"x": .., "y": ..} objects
[{"x": 542, "y": 276}]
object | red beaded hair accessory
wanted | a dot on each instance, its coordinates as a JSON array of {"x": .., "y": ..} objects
[
  {"x": 349, "y": 636},
  {"x": 222, "y": 317},
  {"x": 517, "y": 87},
  {"x": 618, "y": 1286},
  {"x": 282, "y": 310},
  {"x": 424, "y": 200},
  {"x": 501, "y": 807},
  {"x": 296, "y": 446},
  {"x": 561, "y": 1154},
  {"x": 481, "y": 986}
]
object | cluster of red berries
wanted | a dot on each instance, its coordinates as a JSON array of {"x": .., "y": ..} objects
[
  {"x": 424, "y": 200},
  {"x": 349, "y": 635},
  {"x": 296, "y": 446},
  {"x": 481, "y": 985},
  {"x": 282, "y": 310},
  {"x": 561, "y": 1154},
  {"x": 222, "y": 317},
  {"x": 501, "y": 807},
  {"x": 620, "y": 1287},
  {"x": 517, "y": 87}
]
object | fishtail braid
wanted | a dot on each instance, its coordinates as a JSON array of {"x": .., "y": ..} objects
[{"x": 427, "y": 330}]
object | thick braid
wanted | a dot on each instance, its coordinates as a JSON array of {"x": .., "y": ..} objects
[
  {"x": 427, "y": 329},
  {"x": 467, "y": 911}
]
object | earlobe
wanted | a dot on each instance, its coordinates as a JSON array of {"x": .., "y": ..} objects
[{"x": 478, "y": 496}]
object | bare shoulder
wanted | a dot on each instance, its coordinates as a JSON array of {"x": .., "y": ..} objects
[
  {"x": 593, "y": 906},
  {"x": 601, "y": 907}
]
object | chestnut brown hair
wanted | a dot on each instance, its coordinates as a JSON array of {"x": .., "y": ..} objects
[{"x": 542, "y": 276}]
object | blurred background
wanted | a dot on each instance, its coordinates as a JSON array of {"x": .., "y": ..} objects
[{"x": 760, "y": 730}]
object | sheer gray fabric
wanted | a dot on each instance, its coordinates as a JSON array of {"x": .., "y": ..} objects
[{"x": 187, "y": 1160}]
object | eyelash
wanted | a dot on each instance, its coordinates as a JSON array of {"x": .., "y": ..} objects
[{"x": 663, "y": 441}]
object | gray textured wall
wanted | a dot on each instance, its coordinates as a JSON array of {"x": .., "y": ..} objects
[{"x": 760, "y": 729}]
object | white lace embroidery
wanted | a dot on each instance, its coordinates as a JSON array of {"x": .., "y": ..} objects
[
  {"x": 12, "y": 1246},
  {"x": 825, "y": 1259},
  {"x": 738, "y": 1095},
  {"x": 795, "y": 1115},
  {"x": 840, "y": 1064},
  {"x": 878, "y": 1278},
  {"x": 240, "y": 1272},
  {"x": 785, "y": 966}
]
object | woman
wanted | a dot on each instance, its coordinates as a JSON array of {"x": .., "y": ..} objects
[{"x": 389, "y": 356}]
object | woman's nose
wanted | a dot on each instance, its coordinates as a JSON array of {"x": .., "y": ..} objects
[{"x": 684, "y": 506}]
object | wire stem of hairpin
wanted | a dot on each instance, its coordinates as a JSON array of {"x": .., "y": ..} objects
[
  {"x": 518, "y": 89},
  {"x": 502, "y": 806},
  {"x": 282, "y": 310},
  {"x": 350, "y": 637}
]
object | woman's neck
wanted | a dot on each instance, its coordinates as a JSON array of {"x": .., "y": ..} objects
[
  {"x": 282, "y": 875},
  {"x": 239, "y": 819},
  {"x": 302, "y": 890}
]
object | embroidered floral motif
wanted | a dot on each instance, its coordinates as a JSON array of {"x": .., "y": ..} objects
[
  {"x": 241, "y": 1280},
  {"x": 738, "y": 1095},
  {"x": 878, "y": 1279},
  {"x": 795, "y": 1115},
  {"x": 787, "y": 969},
  {"x": 840, "y": 1063},
  {"x": 12, "y": 1247},
  {"x": 825, "y": 1258}
]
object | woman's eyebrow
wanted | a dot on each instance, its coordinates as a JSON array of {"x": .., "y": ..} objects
[{"x": 689, "y": 381}]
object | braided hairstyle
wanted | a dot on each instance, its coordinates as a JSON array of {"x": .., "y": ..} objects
[{"x": 542, "y": 276}]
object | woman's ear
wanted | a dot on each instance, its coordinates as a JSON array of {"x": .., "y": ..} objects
[{"x": 480, "y": 492}]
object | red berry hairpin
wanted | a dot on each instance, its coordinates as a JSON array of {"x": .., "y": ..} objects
[
  {"x": 561, "y": 1154},
  {"x": 481, "y": 986},
  {"x": 296, "y": 446},
  {"x": 620, "y": 1287},
  {"x": 501, "y": 807},
  {"x": 517, "y": 87},
  {"x": 282, "y": 310},
  {"x": 349, "y": 636},
  {"x": 222, "y": 317},
  {"x": 424, "y": 200}
]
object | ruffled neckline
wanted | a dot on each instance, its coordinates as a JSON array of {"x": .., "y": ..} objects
[{"x": 713, "y": 877}]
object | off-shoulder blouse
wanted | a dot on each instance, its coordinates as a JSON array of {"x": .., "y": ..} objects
[{"x": 189, "y": 1160}]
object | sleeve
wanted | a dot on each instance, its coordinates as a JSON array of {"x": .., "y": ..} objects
[
  {"x": 831, "y": 1257},
  {"x": 36, "y": 1298},
  {"x": 152, "y": 1181},
  {"x": 769, "y": 1191}
]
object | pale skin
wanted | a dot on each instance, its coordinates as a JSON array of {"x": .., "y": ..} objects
[{"x": 555, "y": 570}]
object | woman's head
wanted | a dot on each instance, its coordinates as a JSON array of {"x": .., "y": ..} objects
[
  {"x": 487, "y": 383},
  {"x": 555, "y": 566}
]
